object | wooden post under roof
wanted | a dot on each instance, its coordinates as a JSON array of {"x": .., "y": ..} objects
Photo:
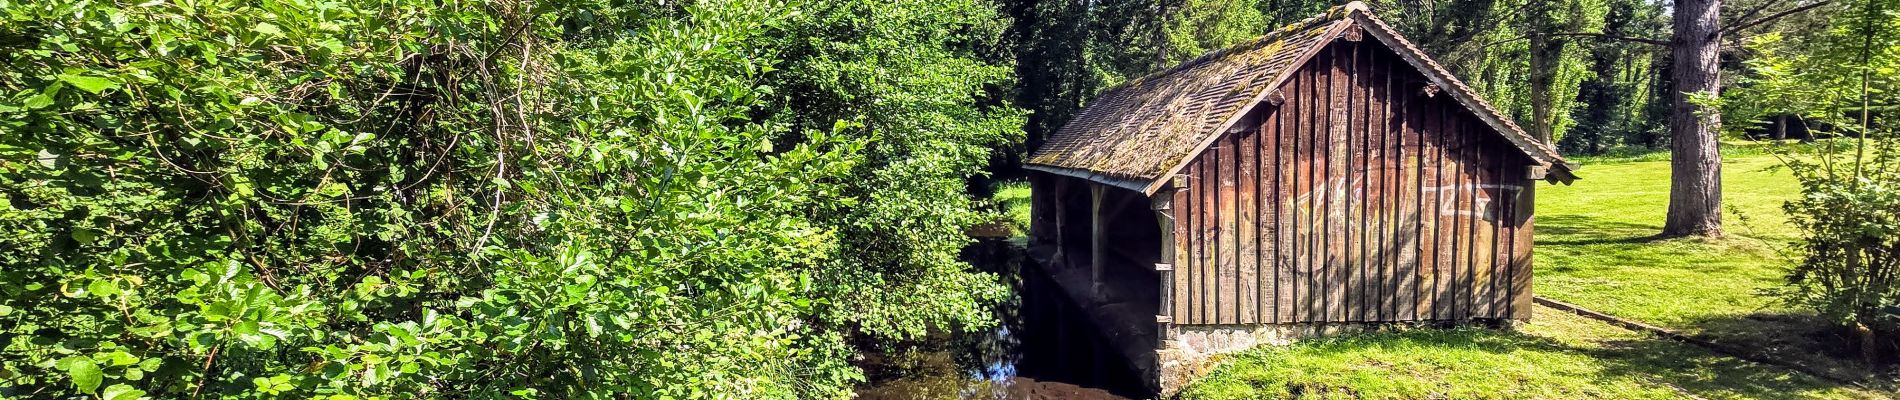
[
  {"x": 1163, "y": 205},
  {"x": 1097, "y": 243}
]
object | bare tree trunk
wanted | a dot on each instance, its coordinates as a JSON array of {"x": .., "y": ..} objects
[{"x": 1695, "y": 187}]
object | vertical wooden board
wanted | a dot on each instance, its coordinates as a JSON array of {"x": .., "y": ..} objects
[
  {"x": 1337, "y": 180},
  {"x": 1407, "y": 207},
  {"x": 1348, "y": 135},
  {"x": 1432, "y": 254},
  {"x": 1394, "y": 164},
  {"x": 1197, "y": 274},
  {"x": 1488, "y": 227},
  {"x": 1460, "y": 221},
  {"x": 1283, "y": 195},
  {"x": 1379, "y": 168},
  {"x": 1508, "y": 168},
  {"x": 1181, "y": 208},
  {"x": 1210, "y": 234},
  {"x": 1495, "y": 160},
  {"x": 1454, "y": 195},
  {"x": 1479, "y": 253},
  {"x": 1228, "y": 292},
  {"x": 1357, "y": 224},
  {"x": 1246, "y": 154},
  {"x": 1369, "y": 235},
  {"x": 1311, "y": 186},
  {"x": 1523, "y": 218}
]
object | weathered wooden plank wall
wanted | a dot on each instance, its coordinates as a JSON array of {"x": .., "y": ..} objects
[{"x": 1359, "y": 197}]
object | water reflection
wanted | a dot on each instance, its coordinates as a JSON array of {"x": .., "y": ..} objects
[{"x": 1043, "y": 348}]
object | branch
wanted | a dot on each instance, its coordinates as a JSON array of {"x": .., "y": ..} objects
[
  {"x": 1611, "y": 37},
  {"x": 1757, "y": 10},
  {"x": 1772, "y": 17}
]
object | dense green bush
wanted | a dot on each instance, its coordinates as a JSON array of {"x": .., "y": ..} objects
[
  {"x": 400, "y": 198},
  {"x": 1847, "y": 77}
]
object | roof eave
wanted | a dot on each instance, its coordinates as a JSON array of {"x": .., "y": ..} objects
[{"x": 1136, "y": 185}]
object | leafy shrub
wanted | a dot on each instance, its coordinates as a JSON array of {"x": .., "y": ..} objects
[
  {"x": 402, "y": 198},
  {"x": 1849, "y": 209}
]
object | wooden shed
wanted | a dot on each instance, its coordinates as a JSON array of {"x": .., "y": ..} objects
[{"x": 1328, "y": 172}]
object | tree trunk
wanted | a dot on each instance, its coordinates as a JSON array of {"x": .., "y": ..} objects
[
  {"x": 1546, "y": 53},
  {"x": 1695, "y": 187}
]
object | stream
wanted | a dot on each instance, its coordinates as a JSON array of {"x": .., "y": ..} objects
[{"x": 1043, "y": 348}]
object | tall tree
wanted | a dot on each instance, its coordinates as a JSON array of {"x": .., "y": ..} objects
[{"x": 1695, "y": 166}]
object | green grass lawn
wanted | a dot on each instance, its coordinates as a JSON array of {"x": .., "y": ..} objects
[
  {"x": 1556, "y": 356},
  {"x": 1595, "y": 249}
]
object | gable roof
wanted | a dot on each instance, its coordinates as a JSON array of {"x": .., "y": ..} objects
[{"x": 1135, "y": 134}]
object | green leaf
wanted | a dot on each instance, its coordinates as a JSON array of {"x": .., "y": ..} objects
[
  {"x": 122, "y": 392},
  {"x": 83, "y": 371},
  {"x": 91, "y": 84},
  {"x": 38, "y": 101}
]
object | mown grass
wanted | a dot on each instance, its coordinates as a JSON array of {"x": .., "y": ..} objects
[
  {"x": 1596, "y": 248},
  {"x": 1556, "y": 356}
]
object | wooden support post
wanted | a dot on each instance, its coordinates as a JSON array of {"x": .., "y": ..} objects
[
  {"x": 1163, "y": 205},
  {"x": 1059, "y": 188},
  {"x": 1098, "y": 244}
]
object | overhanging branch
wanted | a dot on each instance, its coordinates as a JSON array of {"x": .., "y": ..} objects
[
  {"x": 1772, "y": 17},
  {"x": 1610, "y": 37}
]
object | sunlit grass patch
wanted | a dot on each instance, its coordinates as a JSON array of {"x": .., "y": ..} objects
[
  {"x": 1557, "y": 356},
  {"x": 1014, "y": 196}
]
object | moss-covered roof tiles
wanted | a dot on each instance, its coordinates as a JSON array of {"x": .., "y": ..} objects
[{"x": 1134, "y": 134}]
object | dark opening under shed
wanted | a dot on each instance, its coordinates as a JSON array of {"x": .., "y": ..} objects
[{"x": 1326, "y": 174}]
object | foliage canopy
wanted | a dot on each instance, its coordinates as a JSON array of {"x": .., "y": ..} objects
[{"x": 398, "y": 198}]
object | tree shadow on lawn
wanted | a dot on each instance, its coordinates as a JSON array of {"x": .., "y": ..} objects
[
  {"x": 1703, "y": 373},
  {"x": 1802, "y": 338},
  {"x": 1573, "y": 230},
  {"x": 1623, "y": 359},
  {"x": 1575, "y": 242}
]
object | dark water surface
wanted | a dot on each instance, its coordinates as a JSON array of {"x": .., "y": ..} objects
[{"x": 1043, "y": 348}]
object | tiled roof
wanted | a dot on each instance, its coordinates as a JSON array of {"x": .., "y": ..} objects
[{"x": 1136, "y": 133}]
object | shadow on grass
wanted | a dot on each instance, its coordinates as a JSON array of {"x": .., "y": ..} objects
[
  {"x": 1625, "y": 359},
  {"x": 1578, "y": 230},
  {"x": 1800, "y": 338}
]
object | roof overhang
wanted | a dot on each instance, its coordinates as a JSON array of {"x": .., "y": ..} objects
[{"x": 1136, "y": 185}]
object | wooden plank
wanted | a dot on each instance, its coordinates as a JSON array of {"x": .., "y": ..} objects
[
  {"x": 1407, "y": 207},
  {"x": 1301, "y": 203},
  {"x": 1316, "y": 191},
  {"x": 1337, "y": 180},
  {"x": 1227, "y": 308},
  {"x": 1524, "y": 218},
  {"x": 1179, "y": 239},
  {"x": 1379, "y": 141},
  {"x": 1283, "y": 194},
  {"x": 1403, "y": 238},
  {"x": 1354, "y": 189},
  {"x": 1246, "y": 151},
  {"x": 1488, "y": 228},
  {"x": 1210, "y": 242},
  {"x": 1178, "y": 248},
  {"x": 1195, "y": 295},
  {"x": 1495, "y": 161},
  {"x": 1368, "y": 188},
  {"x": 1431, "y": 253},
  {"x": 1460, "y": 201},
  {"x": 1467, "y": 224},
  {"x": 1508, "y": 170}
]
